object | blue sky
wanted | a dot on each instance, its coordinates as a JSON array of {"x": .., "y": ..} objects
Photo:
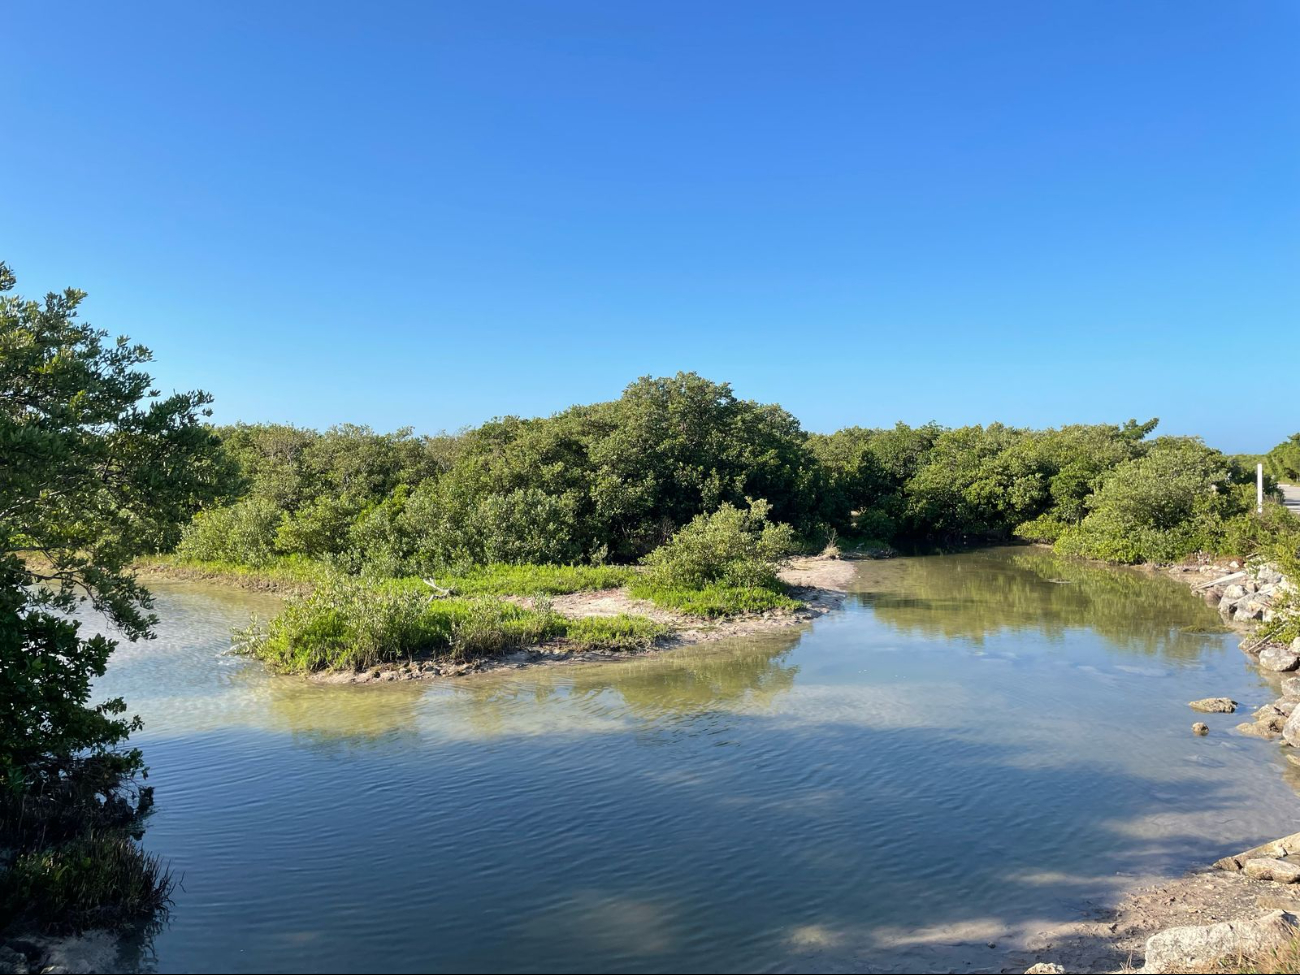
[{"x": 433, "y": 213}]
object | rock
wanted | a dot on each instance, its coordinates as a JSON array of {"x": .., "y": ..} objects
[
  {"x": 1212, "y": 596},
  {"x": 13, "y": 962},
  {"x": 1213, "y": 705},
  {"x": 1257, "y": 729},
  {"x": 1196, "y": 948},
  {"x": 1045, "y": 968},
  {"x": 1275, "y": 902},
  {"x": 1246, "y": 610},
  {"x": 1291, "y": 730},
  {"x": 1266, "y": 868},
  {"x": 1295, "y": 646},
  {"x": 1200, "y": 728},
  {"x": 1233, "y": 593},
  {"x": 1285, "y": 846},
  {"x": 1278, "y": 659},
  {"x": 1291, "y": 687}
]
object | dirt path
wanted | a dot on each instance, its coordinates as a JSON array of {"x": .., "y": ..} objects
[{"x": 1291, "y": 497}]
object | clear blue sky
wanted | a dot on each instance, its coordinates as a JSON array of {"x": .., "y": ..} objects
[{"x": 432, "y": 213}]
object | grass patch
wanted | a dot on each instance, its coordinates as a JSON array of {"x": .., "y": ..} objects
[
  {"x": 288, "y": 573},
  {"x": 95, "y": 881},
  {"x": 714, "y": 599},
  {"x": 348, "y": 624},
  {"x": 530, "y": 580},
  {"x": 622, "y": 632}
]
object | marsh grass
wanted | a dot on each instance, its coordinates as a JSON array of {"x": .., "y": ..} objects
[
  {"x": 714, "y": 599},
  {"x": 356, "y": 625},
  {"x": 96, "y": 881}
]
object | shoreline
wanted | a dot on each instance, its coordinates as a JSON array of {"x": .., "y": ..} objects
[{"x": 819, "y": 583}]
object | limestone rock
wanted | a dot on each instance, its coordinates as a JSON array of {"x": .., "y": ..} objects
[
  {"x": 1291, "y": 685},
  {"x": 1291, "y": 730},
  {"x": 1195, "y": 947},
  {"x": 1234, "y": 592},
  {"x": 1257, "y": 729},
  {"x": 1285, "y": 846},
  {"x": 1265, "y": 868},
  {"x": 1278, "y": 659},
  {"x": 1200, "y": 728},
  {"x": 1213, "y": 705},
  {"x": 1045, "y": 968}
]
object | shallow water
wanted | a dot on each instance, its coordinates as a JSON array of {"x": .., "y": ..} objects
[{"x": 978, "y": 742}]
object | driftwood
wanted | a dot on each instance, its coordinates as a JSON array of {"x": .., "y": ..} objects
[
  {"x": 438, "y": 591},
  {"x": 1232, "y": 577}
]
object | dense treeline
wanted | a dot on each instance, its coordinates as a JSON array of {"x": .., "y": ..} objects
[{"x": 611, "y": 482}]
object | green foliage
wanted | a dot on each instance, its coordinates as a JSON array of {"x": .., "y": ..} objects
[
  {"x": 99, "y": 468},
  {"x": 350, "y": 624},
  {"x": 714, "y": 599},
  {"x": 529, "y": 580},
  {"x": 730, "y": 546},
  {"x": 95, "y": 881},
  {"x": 721, "y": 563},
  {"x": 623, "y": 632},
  {"x": 1160, "y": 507},
  {"x": 1283, "y": 461},
  {"x": 244, "y": 533}
]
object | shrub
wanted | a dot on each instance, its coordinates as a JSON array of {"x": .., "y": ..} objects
[
  {"x": 244, "y": 532},
  {"x": 1044, "y": 528},
  {"x": 1158, "y": 508},
  {"x": 732, "y": 547}
]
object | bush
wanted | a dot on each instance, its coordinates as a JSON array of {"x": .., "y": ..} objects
[
  {"x": 723, "y": 562},
  {"x": 1044, "y": 528},
  {"x": 731, "y": 547},
  {"x": 244, "y": 532},
  {"x": 1159, "y": 508}
]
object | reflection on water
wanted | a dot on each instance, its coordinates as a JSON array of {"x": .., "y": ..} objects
[{"x": 978, "y": 742}]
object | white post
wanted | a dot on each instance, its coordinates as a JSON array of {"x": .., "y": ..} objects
[{"x": 1259, "y": 489}]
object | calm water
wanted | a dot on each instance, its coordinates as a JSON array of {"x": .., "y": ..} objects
[{"x": 978, "y": 742}]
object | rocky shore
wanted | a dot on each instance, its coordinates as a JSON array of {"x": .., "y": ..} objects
[{"x": 1244, "y": 909}]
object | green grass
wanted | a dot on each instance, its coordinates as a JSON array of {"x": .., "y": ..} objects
[
  {"x": 714, "y": 599},
  {"x": 292, "y": 573},
  {"x": 622, "y": 632},
  {"x": 96, "y": 881},
  {"x": 347, "y": 624},
  {"x": 530, "y": 580}
]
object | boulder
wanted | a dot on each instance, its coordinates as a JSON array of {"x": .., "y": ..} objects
[
  {"x": 1291, "y": 730},
  {"x": 1234, "y": 592},
  {"x": 1269, "y": 868},
  {"x": 1246, "y": 610},
  {"x": 1045, "y": 968},
  {"x": 1257, "y": 729},
  {"x": 1197, "y": 947},
  {"x": 1278, "y": 659},
  {"x": 1200, "y": 728},
  {"x": 1295, "y": 646},
  {"x": 1286, "y": 846},
  {"x": 1214, "y": 705},
  {"x": 1291, "y": 686}
]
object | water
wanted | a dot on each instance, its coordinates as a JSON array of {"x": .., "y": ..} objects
[{"x": 979, "y": 742}]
